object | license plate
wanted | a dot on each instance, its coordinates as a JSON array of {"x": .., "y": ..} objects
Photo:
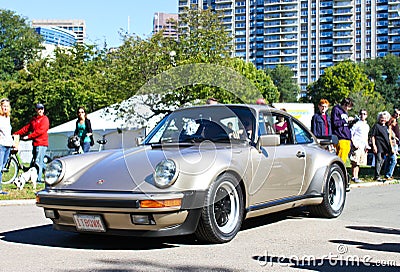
[{"x": 86, "y": 222}]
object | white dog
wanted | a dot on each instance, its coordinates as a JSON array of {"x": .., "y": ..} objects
[{"x": 30, "y": 175}]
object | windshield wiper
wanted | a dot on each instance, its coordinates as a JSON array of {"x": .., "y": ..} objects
[{"x": 171, "y": 144}]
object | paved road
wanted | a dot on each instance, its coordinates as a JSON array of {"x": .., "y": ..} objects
[{"x": 368, "y": 230}]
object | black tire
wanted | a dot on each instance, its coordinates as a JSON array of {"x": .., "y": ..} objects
[
  {"x": 334, "y": 194},
  {"x": 10, "y": 172},
  {"x": 222, "y": 214}
]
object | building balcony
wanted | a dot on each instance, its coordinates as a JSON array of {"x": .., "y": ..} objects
[
  {"x": 271, "y": 2},
  {"x": 342, "y": 4},
  {"x": 339, "y": 19}
]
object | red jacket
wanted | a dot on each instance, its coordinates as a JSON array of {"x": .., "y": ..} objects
[{"x": 38, "y": 126}]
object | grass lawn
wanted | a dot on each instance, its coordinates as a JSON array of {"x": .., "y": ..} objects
[
  {"x": 367, "y": 172},
  {"x": 26, "y": 193}
]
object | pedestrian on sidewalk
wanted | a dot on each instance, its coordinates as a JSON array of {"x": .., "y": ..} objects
[
  {"x": 340, "y": 127},
  {"x": 380, "y": 143},
  {"x": 6, "y": 140},
  {"x": 36, "y": 130},
  {"x": 320, "y": 122},
  {"x": 396, "y": 130},
  {"x": 391, "y": 160},
  {"x": 359, "y": 142},
  {"x": 83, "y": 129}
]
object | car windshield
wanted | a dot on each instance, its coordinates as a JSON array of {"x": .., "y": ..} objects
[{"x": 213, "y": 123}]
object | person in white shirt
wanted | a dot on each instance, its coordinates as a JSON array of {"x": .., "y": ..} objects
[
  {"x": 360, "y": 146},
  {"x": 6, "y": 140}
]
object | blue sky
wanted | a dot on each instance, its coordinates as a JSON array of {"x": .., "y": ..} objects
[{"x": 104, "y": 19}]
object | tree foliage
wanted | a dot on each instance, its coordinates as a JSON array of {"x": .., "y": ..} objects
[
  {"x": 282, "y": 78},
  {"x": 19, "y": 43},
  {"x": 262, "y": 81},
  {"x": 74, "y": 77},
  {"x": 340, "y": 81},
  {"x": 373, "y": 103},
  {"x": 385, "y": 73}
]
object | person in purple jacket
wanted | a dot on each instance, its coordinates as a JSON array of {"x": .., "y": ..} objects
[{"x": 340, "y": 127}]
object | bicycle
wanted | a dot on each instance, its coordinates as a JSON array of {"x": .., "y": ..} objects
[{"x": 14, "y": 166}]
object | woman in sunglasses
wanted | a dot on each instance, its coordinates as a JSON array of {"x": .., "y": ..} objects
[{"x": 83, "y": 130}]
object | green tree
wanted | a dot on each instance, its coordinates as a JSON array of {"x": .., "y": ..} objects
[
  {"x": 340, "y": 81},
  {"x": 202, "y": 40},
  {"x": 282, "y": 77},
  {"x": 373, "y": 103},
  {"x": 73, "y": 77},
  {"x": 385, "y": 73},
  {"x": 137, "y": 61},
  {"x": 262, "y": 81},
  {"x": 19, "y": 43}
]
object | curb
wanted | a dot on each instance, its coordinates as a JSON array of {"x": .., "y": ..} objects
[
  {"x": 372, "y": 184},
  {"x": 19, "y": 202}
]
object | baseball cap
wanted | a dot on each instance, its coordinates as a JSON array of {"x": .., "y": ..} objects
[{"x": 39, "y": 106}]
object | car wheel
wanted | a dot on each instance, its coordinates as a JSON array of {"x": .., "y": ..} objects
[
  {"x": 222, "y": 214},
  {"x": 334, "y": 195}
]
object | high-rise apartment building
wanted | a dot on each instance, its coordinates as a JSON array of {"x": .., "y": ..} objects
[
  {"x": 166, "y": 22},
  {"x": 308, "y": 35},
  {"x": 74, "y": 25}
]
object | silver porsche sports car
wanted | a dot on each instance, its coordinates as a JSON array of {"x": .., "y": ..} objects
[{"x": 201, "y": 170}]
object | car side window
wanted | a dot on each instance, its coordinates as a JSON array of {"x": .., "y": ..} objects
[
  {"x": 265, "y": 124},
  {"x": 301, "y": 135}
]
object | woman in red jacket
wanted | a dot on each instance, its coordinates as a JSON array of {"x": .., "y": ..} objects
[{"x": 36, "y": 130}]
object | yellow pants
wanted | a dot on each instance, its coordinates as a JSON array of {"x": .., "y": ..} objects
[{"x": 343, "y": 149}]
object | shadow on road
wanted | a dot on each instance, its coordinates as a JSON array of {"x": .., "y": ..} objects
[
  {"x": 46, "y": 236},
  {"x": 376, "y": 229},
  {"x": 297, "y": 213},
  {"x": 385, "y": 247}
]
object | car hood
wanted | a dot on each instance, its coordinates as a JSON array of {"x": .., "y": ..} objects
[{"x": 132, "y": 169}]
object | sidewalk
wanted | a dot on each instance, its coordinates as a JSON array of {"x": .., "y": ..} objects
[
  {"x": 375, "y": 183},
  {"x": 17, "y": 202}
]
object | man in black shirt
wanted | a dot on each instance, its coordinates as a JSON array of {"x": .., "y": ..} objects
[{"x": 380, "y": 142}]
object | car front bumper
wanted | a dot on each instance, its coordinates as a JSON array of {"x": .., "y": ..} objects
[{"x": 118, "y": 211}]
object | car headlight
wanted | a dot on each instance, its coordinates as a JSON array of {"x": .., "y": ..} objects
[
  {"x": 54, "y": 172},
  {"x": 165, "y": 173}
]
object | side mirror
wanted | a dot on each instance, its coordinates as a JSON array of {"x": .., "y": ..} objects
[
  {"x": 139, "y": 140},
  {"x": 328, "y": 140},
  {"x": 269, "y": 140}
]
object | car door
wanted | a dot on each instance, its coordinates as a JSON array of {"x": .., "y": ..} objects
[{"x": 279, "y": 170}]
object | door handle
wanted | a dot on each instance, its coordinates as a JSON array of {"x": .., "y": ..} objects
[{"x": 300, "y": 154}]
